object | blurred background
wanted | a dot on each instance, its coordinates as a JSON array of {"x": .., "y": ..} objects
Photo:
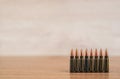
[{"x": 53, "y": 27}]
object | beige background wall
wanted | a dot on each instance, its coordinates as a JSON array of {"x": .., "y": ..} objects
[{"x": 53, "y": 27}]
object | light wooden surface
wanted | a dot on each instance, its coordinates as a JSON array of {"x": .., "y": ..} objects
[{"x": 50, "y": 68}]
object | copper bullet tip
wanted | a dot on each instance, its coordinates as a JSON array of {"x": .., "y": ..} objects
[
  {"x": 91, "y": 52},
  {"x": 86, "y": 52},
  {"x": 106, "y": 52},
  {"x": 76, "y": 53},
  {"x": 81, "y": 53},
  {"x": 100, "y": 52},
  {"x": 72, "y": 52},
  {"x": 96, "y": 52}
]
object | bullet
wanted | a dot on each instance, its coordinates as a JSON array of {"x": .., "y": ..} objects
[
  {"x": 72, "y": 62},
  {"x": 86, "y": 63},
  {"x": 81, "y": 63},
  {"x": 106, "y": 62},
  {"x": 91, "y": 68},
  {"x": 100, "y": 61},
  {"x": 76, "y": 61},
  {"x": 96, "y": 62}
]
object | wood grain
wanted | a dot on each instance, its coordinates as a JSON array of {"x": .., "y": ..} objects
[{"x": 50, "y": 68}]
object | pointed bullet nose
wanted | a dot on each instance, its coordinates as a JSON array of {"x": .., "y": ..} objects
[
  {"x": 106, "y": 52},
  {"x": 96, "y": 52},
  {"x": 81, "y": 53},
  {"x": 76, "y": 53},
  {"x": 86, "y": 52},
  {"x": 100, "y": 52},
  {"x": 91, "y": 52},
  {"x": 72, "y": 52}
]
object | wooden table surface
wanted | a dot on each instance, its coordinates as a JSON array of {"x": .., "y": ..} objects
[{"x": 50, "y": 68}]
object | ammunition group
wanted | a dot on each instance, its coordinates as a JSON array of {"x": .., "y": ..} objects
[{"x": 89, "y": 62}]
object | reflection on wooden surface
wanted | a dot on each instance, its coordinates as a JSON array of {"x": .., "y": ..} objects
[
  {"x": 89, "y": 76},
  {"x": 50, "y": 68}
]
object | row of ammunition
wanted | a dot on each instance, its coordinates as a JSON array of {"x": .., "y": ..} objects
[{"x": 89, "y": 63}]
